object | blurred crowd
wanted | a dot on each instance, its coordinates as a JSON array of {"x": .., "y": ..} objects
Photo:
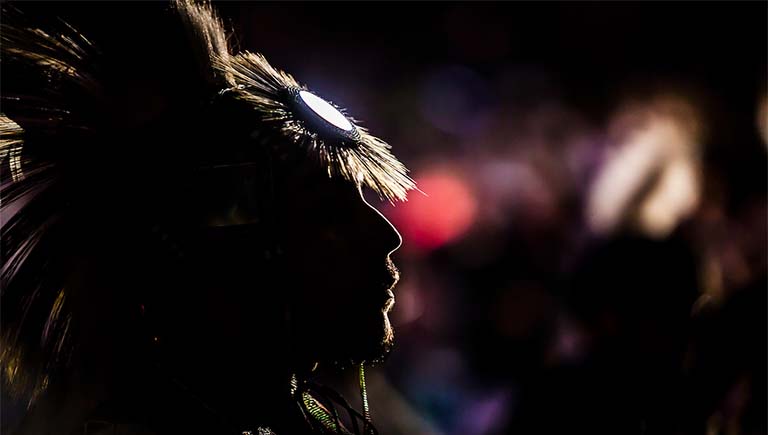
[{"x": 588, "y": 250}]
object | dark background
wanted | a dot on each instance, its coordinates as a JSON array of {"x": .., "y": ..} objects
[{"x": 519, "y": 318}]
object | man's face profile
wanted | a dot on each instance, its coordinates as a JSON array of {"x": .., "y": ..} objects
[
  {"x": 325, "y": 256},
  {"x": 339, "y": 249}
]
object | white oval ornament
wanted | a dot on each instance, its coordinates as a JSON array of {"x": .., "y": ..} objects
[{"x": 324, "y": 110}]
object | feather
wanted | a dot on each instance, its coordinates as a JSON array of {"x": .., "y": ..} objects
[{"x": 358, "y": 157}]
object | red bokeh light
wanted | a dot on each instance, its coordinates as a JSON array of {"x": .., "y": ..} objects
[{"x": 442, "y": 215}]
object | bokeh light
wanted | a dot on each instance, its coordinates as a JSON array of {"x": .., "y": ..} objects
[
  {"x": 651, "y": 177},
  {"x": 442, "y": 214}
]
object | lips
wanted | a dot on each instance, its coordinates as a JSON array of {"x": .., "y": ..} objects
[
  {"x": 392, "y": 278},
  {"x": 389, "y": 302}
]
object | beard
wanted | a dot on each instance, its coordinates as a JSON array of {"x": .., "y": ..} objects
[
  {"x": 370, "y": 342},
  {"x": 372, "y": 336},
  {"x": 349, "y": 324},
  {"x": 379, "y": 350},
  {"x": 351, "y": 335}
]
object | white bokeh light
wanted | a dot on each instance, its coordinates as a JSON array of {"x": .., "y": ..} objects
[{"x": 325, "y": 110}]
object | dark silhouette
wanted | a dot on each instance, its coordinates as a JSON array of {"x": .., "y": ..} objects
[{"x": 183, "y": 231}]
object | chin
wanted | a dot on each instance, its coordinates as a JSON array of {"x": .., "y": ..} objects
[
  {"x": 383, "y": 346},
  {"x": 369, "y": 343}
]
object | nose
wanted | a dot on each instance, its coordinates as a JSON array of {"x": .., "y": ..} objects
[{"x": 382, "y": 228}]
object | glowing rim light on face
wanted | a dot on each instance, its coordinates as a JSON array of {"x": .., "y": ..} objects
[{"x": 324, "y": 110}]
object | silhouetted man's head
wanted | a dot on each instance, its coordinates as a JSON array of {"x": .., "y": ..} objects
[{"x": 170, "y": 205}]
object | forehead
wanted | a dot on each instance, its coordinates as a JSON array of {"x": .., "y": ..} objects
[{"x": 269, "y": 184}]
